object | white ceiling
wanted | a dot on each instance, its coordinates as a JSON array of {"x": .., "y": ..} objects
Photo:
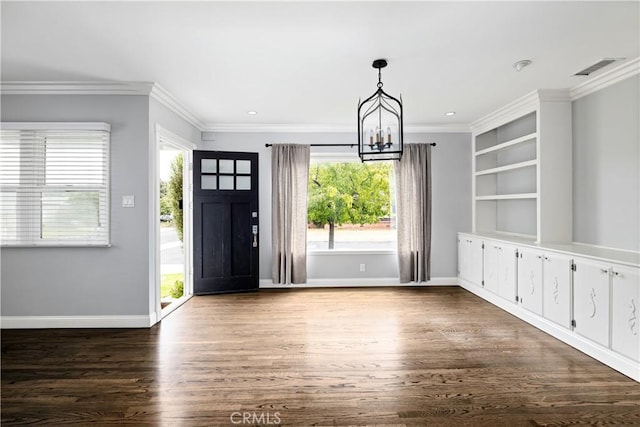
[{"x": 307, "y": 63}]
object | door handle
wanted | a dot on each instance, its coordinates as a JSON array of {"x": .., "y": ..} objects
[{"x": 254, "y": 231}]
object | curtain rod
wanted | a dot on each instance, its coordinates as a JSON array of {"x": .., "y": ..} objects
[{"x": 433, "y": 144}]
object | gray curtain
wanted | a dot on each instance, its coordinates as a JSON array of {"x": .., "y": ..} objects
[
  {"x": 413, "y": 205},
  {"x": 289, "y": 185}
]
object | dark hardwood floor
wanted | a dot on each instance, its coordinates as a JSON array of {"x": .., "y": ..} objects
[{"x": 377, "y": 356}]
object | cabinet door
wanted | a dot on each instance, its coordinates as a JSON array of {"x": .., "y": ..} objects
[
  {"x": 507, "y": 277},
  {"x": 475, "y": 261},
  {"x": 530, "y": 280},
  {"x": 556, "y": 291},
  {"x": 463, "y": 257},
  {"x": 625, "y": 295},
  {"x": 491, "y": 266},
  {"x": 591, "y": 300}
]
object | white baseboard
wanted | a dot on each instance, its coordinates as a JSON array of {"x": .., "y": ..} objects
[
  {"x": 48, "y": 322},
  {"x": 359, "y": 283},
  {"x": 605, "y": 355}
]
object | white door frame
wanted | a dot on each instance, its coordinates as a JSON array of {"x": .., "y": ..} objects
[{"x": 166, "y": 138}]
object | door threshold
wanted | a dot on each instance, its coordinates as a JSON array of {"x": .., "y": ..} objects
[{"x": 174, "y": 305}]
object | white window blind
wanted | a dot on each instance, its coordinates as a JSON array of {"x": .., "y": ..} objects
[{"x": 54, "y": 184}]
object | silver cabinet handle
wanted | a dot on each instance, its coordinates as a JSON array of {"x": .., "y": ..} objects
[
  {"x": 616, "y": 273},
  {"x": 604, "y": 270},
  {"x": 539, "y": 256}
]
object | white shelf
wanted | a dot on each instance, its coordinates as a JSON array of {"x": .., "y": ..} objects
[
  {"x": 508, "y": 167},
  {"x": 508, "y": 196},
  {"x": 507, "y": 144}
]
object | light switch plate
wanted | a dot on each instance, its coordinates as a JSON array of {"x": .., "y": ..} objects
[{"x": 128, "y": 201}]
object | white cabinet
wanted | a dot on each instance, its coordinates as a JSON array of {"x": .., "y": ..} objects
[
  {"x": 556, "y": 288},
  {"x": 507, "y": 271},
  {"x": 500, "y": 269},
  {"x": 530, "y": 280},
  {"x": 625, "y": 322},
  {"x": 463, "y": 257},
  {"x": 591, "y": 300},
  {"x": 476, "y": 256},
  {"x": 491, "y": 266},
  {"x": 588, "y": 297},
  {"x": 470, "y": 259}
]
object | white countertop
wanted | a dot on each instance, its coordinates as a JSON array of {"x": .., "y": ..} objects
[{"x": 629, "y": 258}]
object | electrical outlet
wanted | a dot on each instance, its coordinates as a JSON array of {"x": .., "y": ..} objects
[{"x": 363, "y": 267}]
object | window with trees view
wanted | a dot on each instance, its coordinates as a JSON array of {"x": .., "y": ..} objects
[{"x": 350, "y": 206}]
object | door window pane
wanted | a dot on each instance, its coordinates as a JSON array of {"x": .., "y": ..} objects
[
  {"x": 208, "y": 182},
  {"x": 243, "y": 183},
  {"x": 243, "y": 166},
  {"x": 226, "y": 182},
  {"x": 226, "y": 166},
  {"x": 209, "y": 166}
]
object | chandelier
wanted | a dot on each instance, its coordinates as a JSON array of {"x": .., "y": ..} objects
[{"x": 380, "y": 123}]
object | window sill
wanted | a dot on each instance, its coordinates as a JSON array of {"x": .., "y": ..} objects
[{"x": 341, "y": 252}]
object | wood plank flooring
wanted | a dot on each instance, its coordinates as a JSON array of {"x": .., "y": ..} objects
[{"x": 326, "y": 357}]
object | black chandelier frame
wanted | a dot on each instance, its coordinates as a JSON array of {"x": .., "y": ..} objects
[{"x": 379, "y": 101}]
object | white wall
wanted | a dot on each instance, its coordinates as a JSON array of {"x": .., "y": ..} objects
[
  {"x": 88, "y": 281},
  {"x": 451, "y": 177},
  {"x": 606, "y": 166}
]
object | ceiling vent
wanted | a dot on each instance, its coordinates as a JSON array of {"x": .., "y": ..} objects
[{"x": 595, "y": 67}]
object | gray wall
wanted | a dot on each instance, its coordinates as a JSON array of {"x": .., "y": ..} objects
[
  {"x": 451, "y": 176},
  {"x": 88, "y": 281},
  {"x": 606, "y": 167}
]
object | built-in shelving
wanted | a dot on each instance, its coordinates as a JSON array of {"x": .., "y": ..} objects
[
  {"x": 507, "y": 167},
  {"x": 508, "y": 196},
  {"x": 522, "y": 168},
  {"x": 508, "y": 144}
]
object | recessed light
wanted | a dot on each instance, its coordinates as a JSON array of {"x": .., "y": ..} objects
[
  {"x": 252, "y": 113},
  {"x": 450, "y": 113}
]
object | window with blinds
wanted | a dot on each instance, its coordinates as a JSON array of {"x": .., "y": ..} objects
[{"x": 54, "y": 184}]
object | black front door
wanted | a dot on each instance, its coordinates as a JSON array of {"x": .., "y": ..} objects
[{"x": 225, "y": 222}]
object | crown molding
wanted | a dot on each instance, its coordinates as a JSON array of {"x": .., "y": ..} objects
[
  {"x": 503, "y": 115},
  {"x": 161, "y": 95},
  {"x": 608, "y": 78},
  {"x": 75, "y": 88},
  {"x": 151, "y": 89},
  {"x": 518, "y": 108},
  {"x": 554, "y": 95},
  {"x": 511, "y": 111},
  {"x": 528, "y": 103},
  {"x": 311, "y": 128}
]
